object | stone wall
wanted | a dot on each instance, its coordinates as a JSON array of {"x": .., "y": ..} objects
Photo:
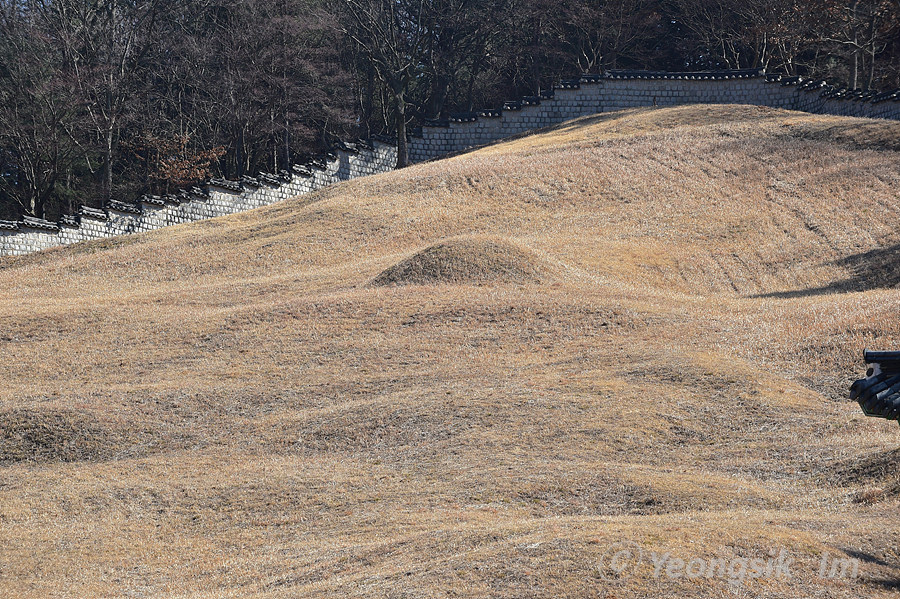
[
  {"x": 218, "y": 198},
  {"x": 591, "y": 94},
  {"x": 617, "y": 90}
]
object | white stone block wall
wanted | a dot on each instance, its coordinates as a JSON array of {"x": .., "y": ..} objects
[{"x": 220, "y": 202}]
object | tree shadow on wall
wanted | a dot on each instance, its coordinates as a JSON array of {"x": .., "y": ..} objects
[
  {"x": 875, "y": 269},
  {"x": 654, "y": 118},
  {"x": 577, "y": 123}
]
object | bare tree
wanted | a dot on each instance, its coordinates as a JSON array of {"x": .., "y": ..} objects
[
  {"x": 105, "y": 43},
  {"x": 778, "y": 33},
  {"x": 599, "y": 34},
  {"x": 391, "y": 34},
  {"x": 38, "y": 114},
  {"x": 861, "y": 28},
  {"x": 711, "y": 31},
  {"x": 458, "y": 39},
  {"x": 262, "y": 79}
]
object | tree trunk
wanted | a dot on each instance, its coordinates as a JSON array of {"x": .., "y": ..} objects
[
  {"x": 108, "y": 162},
  {"x": 402, "y": 149},
  {"x": 440, "y": 86},
  {"x": 473, "y": 76},
  {"x": 288, "y": 155},
  {"x": 470, "y": 93},
  {"x": 535, "y": 67},
  {"x": 110, "y": 121},
  {"x": 368, "y": 103},
  {"x": 872, "y": 46},
  {"x": 854, "y": 59},
  {"x": 275, "y": 143},
  {"x": 871, "y": 78},
  {"x": 239, "y": 157},
  {"x": 40, "y": 205}
]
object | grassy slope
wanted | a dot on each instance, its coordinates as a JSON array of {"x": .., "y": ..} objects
[{"x": 232, "y": 408}]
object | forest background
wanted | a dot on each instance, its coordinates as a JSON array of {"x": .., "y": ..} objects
[{"x": 111, "y": 99}]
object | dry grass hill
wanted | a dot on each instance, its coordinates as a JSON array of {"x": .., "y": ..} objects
[{"x": 471, "y": 378}]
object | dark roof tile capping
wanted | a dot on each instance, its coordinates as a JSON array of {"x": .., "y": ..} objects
[
  {"x": 879, "y": 393},
  {"x": 269, "y": 179},
  {"x": 822, "y": 88},
  {"x": 39, "y": 223},
  {"x": 812, "y": 84},
  {"x": 835, "y": 93},
  {"x": 893, "y": 94},
  {"x": 464, "y": 117},
  {"x": 197, "y": 192},
  {"x": 226, "y": 184},
  {"x": 153, "y": 200},
  {"x": 569, "y": 84},
  {"x": 695, "y": 75},
  {"x": 94, "y": 213},
  {"x": 302, "y": 170},
  {"x": 123, "y": 207},
  {"x": 70, "y": 220},
  {"x": 350, "y": 148},
  {"x": 831, "y": 92},
  {"x": 318, "y": 163}
]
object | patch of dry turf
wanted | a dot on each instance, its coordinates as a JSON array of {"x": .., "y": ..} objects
[{"x": 461, "y": 260}]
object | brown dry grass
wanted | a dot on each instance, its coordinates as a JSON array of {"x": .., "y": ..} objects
[
  {"x": 467, "y": 260},
  {"x": 232, "y": 409}
]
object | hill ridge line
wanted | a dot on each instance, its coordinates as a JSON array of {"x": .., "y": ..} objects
[{"x": 569, "y": 99}]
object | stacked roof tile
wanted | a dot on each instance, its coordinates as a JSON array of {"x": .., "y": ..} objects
[{"x": 879, "y": 393}]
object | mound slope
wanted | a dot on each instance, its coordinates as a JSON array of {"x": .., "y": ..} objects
[
  {"x": 467, "y": 259},
  {"x": 875, "y": 475},
  {"x": 281, "y": 428}
]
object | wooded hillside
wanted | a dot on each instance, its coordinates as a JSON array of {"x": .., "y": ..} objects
[{"x": 103, "y": 99}]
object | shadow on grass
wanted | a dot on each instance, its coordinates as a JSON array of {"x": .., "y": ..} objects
[
  {"x": 875, "y": 269},
  {"x": 889, "y": 583},
  {"x": 860, "y": 134},
  {"x": 867, "y": 558},
  {"x": 885, "y": 583}
]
